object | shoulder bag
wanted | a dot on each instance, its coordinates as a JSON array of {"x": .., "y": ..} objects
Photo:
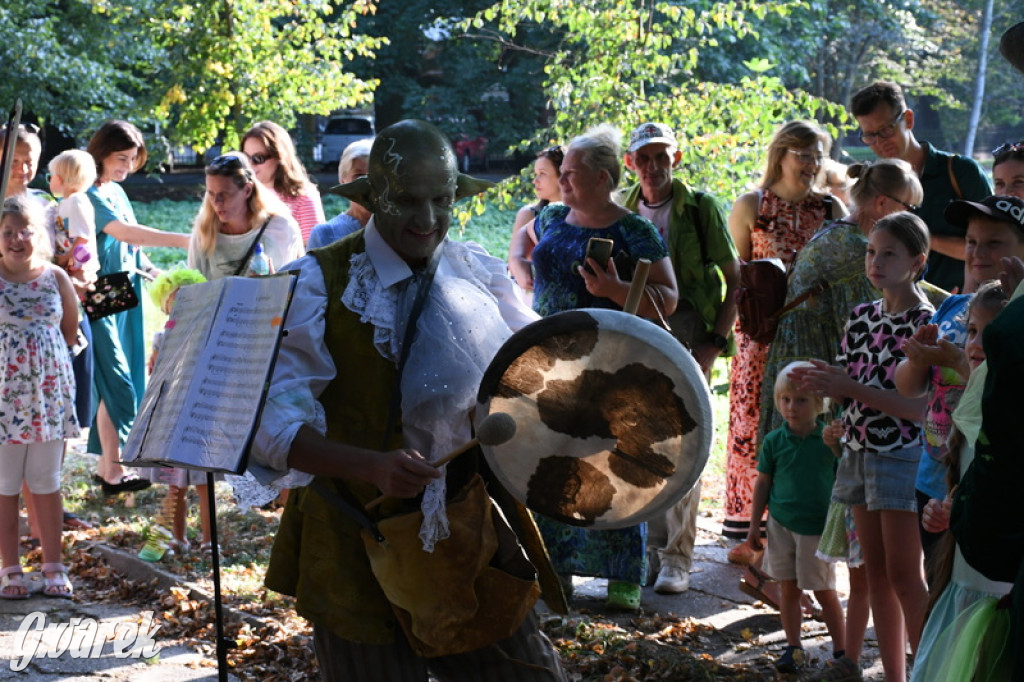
[{"x": 761, "y": 298}]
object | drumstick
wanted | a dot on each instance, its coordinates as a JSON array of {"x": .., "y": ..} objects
[
  {"x": 636, "y": 289},
  {"x": 495, "y": 429}
]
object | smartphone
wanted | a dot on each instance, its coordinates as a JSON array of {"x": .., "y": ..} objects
[{"x": 600, "y": 250}]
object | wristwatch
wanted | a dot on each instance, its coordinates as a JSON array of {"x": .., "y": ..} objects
[{"x": 718, "y": 341}]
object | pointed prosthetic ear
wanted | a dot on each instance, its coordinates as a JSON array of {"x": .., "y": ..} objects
[
  {"x": 467, "y": 186},
  {"x": 358, "y": 190}
]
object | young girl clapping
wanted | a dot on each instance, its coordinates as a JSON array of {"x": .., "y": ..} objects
[
  {"x": 38, "y": 323},
  {"x": 882, "y": 433}
]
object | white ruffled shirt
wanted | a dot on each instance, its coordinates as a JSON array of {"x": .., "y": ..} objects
[{"x": 473, "y": 307}]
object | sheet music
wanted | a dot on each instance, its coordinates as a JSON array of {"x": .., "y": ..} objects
[{"x": 207, "y": 389}]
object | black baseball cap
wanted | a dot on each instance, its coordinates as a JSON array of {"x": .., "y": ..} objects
[{"x": 1002, "y": 208}]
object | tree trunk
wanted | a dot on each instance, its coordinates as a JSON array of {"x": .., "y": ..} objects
[{"x": 979, "y": 82}]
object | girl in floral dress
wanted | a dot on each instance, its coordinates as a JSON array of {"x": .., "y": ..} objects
[
  {"x": 774, "y": 221},
  {"x": 38, "y": 323}
]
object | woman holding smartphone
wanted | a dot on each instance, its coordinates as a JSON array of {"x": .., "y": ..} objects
[
  {"x": 590, "y": 173},
  {"x": 564, "y": 279}
]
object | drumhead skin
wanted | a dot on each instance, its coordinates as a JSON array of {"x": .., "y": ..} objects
[{"x": 613, "y": 418}]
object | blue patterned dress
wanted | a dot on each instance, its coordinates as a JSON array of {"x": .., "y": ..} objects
[{"x": 613, "y": 554}]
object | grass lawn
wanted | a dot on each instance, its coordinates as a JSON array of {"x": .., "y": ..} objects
[{"x": 492, "y": 229}]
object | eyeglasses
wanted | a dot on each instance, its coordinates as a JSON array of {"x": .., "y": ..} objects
[
  {"x": 556, "y": 154},
  {"x": 24, "y": 234},
  {"x": 259, "y": 159},
  {"x": 1008, "y": 148},
  {"x": 909, "y": 207},
  {"x": 807, "y": 158},
  {"x": 229, "y": 164},
  {"x": 883, "y": 133}
]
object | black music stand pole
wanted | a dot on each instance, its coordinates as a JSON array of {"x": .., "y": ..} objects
[{"x": 222, "y": 643}]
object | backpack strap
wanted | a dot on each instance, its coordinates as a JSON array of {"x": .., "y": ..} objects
[
  {"x": 813, "y": 291},
  {"x": 828, "y": 201},
  {"x": 952, "y": 177}
]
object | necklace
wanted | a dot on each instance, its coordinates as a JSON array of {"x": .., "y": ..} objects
[{"x": 659, "y": 204}]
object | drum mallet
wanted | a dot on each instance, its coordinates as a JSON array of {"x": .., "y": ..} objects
[
  {"x": 495, "y": 429},
  {"x": 636, "y": 288}
]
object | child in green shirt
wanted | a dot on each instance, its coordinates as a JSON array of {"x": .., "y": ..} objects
[{"x": 795, "y": 473}]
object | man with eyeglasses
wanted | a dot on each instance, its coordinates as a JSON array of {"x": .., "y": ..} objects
[
  {"x": 887, "y": 126},
  {"x": 706, "y": 264}
]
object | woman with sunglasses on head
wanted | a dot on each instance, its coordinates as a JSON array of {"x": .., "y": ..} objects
[
  {"x": 119, "y": 344},
  {"x": 238, "y": 214},
  {"x": 1008, "y": 169},
  {"x": 277, "y": 166},
  {"x": 547, "y": 170}
]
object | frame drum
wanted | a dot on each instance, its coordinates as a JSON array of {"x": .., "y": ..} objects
[{"x": 613, "y": 418}]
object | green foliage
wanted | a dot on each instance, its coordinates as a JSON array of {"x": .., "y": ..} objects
[
  {"x": 170, "y": 215},
  {"x": 619, "y": 62},
  {"x": 1003, "y": 101},
  {"x": 429, "y": 70},
  {"x": 224, "y": 64},
  {"x": 67, "y": 65}
]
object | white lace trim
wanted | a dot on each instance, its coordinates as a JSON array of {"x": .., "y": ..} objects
[
  {"x": 459, "y": 331},
  {"x": 374, "y": 304}
]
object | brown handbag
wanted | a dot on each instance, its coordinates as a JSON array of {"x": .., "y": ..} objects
[
  {"x": 760, "y": 298},
  {"x": 474, "y": 589}
]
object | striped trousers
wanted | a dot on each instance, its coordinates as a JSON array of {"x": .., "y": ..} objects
[{"x": 526, "y": 656}]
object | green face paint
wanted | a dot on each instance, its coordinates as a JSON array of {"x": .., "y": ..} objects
[{"x": 413, "y": 176}]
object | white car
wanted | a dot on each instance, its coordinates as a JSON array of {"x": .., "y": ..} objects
[{"x": 340, "y": 132}]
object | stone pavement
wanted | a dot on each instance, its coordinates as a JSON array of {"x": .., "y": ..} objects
[
  {"x": 30, "y": 625},
  {"x": 745, "y": 632}
]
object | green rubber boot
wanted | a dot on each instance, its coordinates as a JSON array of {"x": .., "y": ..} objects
[{"x": 623, "y": 596}]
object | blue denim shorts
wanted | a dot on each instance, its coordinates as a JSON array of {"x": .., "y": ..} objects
[{"x": 878, "y": 480}]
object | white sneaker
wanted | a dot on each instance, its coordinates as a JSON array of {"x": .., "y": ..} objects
[{"x": 672, "y": 580}]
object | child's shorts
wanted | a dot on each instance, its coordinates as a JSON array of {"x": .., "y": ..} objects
[
  {"x": 878, "y": 480},
  {"x": 791, "y": 556}
]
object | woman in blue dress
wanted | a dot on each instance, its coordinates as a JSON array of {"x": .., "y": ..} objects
[
  {"x": 119, "y": 345},
  {"x": 589, "y": 175}
]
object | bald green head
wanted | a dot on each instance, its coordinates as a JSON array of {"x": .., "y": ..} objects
[{"x": 413, "y": 183}]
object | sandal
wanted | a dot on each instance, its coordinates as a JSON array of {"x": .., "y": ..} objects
[
  {"x": 810, "y": 608},
  {"x": 12, "y": 583},
  {"x": 756, "y": 589},
  {"x": 72, "y": 522},
  {"x": 58, "y": 585}
]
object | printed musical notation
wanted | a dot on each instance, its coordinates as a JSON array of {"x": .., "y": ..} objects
[{"x": 207, "y": 389}]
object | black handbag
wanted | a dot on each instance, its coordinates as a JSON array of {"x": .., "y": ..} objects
[{"x": 113, "y": 293}]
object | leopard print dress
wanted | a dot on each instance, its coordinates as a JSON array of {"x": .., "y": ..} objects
[{"x": 781, "y": 230}]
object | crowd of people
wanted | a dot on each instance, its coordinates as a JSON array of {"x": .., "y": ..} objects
[{"x": 852, "y": 435}]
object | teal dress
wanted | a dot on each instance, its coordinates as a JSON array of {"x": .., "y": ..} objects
[
  {"x": 119, "y": 345},
  {"x": 614, "y": 554}
]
